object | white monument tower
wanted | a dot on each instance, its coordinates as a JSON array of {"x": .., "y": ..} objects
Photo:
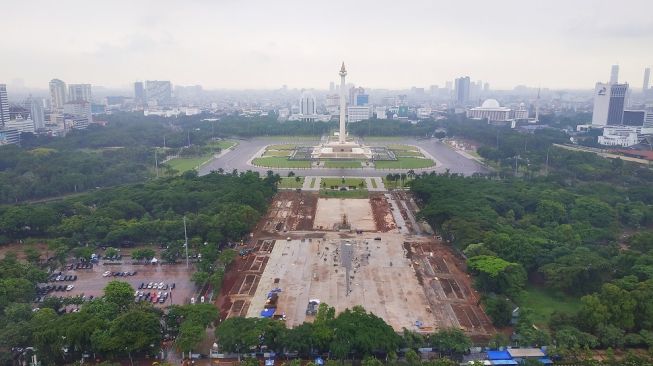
[
  {"x": 342, "y": 149},
  {"x": 342, "y": 138}
]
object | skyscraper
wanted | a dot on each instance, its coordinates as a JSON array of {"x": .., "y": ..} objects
[
  {"x": 647, "y": 75},
  {"x": 158, "y": 91},
  {"x": 139, "y": 92},
  {"x": 462, "y": 90},
  {"x": 80, "y": 92},
  {"x": 35, "y": 108},
  {"x": 4, "y": 105},
  {"x": 57, "y": 94},
  {"x": 609, "y": 102},
  {"x": 614, "y": 74},
  {"x": 307, "y": 104}
]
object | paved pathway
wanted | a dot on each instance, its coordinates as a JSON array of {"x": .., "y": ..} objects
[
  {"x": 380, "y": 187},
  {"x": 307, "y": 183}
]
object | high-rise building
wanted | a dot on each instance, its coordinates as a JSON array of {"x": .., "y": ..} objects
[
  {"x": 307, "y": 104},
  {"x": 80, "y": 92},
  {"x": 4, "y": 105},
  {"x": 57, "y": 94},
  {"x": 609, "y": 103},
  {"x": 354, "y": 93},
  {"x": 35, "y": 108},
  {"x": 139, "y": 93},
  {"x": 462, "y": 90},
  {"x": 158, "y": 91},
  {"x": 614, "y": 74},
  {"x": 78, "y": 110},
  {"x": 647, "y": 75}
]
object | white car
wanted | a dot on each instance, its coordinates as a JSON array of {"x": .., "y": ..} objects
[
  {"x": 149, "y": 285},
  {"x": 106, "y": 274},
  {"x": 135, "y": 293},
  {"x": 70, "y": 287},
  {"x": 160, "y": 286}
]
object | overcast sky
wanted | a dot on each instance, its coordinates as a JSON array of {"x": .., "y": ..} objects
[{"x": 268, "y": 43}]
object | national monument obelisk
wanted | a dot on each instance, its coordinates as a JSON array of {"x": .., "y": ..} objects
[{"x": 342, "y": 137}]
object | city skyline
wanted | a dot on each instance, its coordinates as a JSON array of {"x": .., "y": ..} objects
[{"x": 223, "y": 45}]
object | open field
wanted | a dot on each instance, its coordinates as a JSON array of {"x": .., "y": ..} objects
[
  {"x": 543, "y": 303},
  {"x": 291, "y": 182},
  {"x": 330, "y": 212},
  {"x": 280, "y": 162},
  {"x": 392, "y": 270},
  {"x": 405, "y": 163},
  {"x": 184, "y": 164},
  {"x": 342, "y": 164}
]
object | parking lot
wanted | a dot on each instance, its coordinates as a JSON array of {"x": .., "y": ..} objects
[{"x": 159, "y": 284}]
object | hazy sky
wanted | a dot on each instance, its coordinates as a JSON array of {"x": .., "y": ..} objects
[{"x": 268, "y": 43}]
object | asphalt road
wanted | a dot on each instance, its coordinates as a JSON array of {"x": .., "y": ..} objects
[{"x": 446, "y": 157}]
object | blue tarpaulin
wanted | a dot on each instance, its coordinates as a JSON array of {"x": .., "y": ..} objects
[
  {"x": 546, "y": 361},
  {"x": 504, "y": 362},
  {"x": 269, "y": 362},
  {"x": 498, "y": 355},
  {"x": 267, "y": 313},
  {"x": 319, "y": 361}
]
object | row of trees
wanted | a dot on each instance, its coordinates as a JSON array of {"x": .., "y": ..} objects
[
  {"x": 352, "y": 334},
  {"x": 560, "y": 225},
  {"x": 218, "y": 208}
]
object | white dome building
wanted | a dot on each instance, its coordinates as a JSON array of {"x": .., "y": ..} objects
[{"x": 490, "y": 110}]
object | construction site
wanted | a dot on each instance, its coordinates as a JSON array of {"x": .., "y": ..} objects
[{"x": 346, "y": 252}]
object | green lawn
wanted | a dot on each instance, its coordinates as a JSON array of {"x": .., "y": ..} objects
[
  {"x": 342, "y": 164},
  {"x": 328, "y": 182},
  {"x": 282, "y": 147},
  {"x": 405, "y": 163},
  {"x": 222, "y": 144},
  {"x": 402, "y": 147},
  {"x": 544, "y": 302},
  {"x": 280, "y": 162},
  {"x": 291, "y": 182},
  {"x": 373, "y": 183},
  {"x": 313, "y": 182},
  {"x": 395, "y": 184},
  {"x": 184, "y": 164},
  {"x": 285, "y": 153},
  {"x": 407, "y": 153},
  {"x": 382, "y": 138},
  {"x": 358, "y": 193}
]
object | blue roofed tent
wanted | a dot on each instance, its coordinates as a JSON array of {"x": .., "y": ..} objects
[
  {"x": 498, "y": 355},
  {"x": 319, "y": 361},
  {"x": 504, "y": 362},
  {"x": 269, "y": 362},
  {"x": 267, "y": 313}
]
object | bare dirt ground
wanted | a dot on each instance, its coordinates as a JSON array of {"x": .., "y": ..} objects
[
  {"x": 331, "y": 210},
  {"x": 448, "y": 287},
  {"x": 407, "y": 277},
  {"x": 381, "y": 212}
]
